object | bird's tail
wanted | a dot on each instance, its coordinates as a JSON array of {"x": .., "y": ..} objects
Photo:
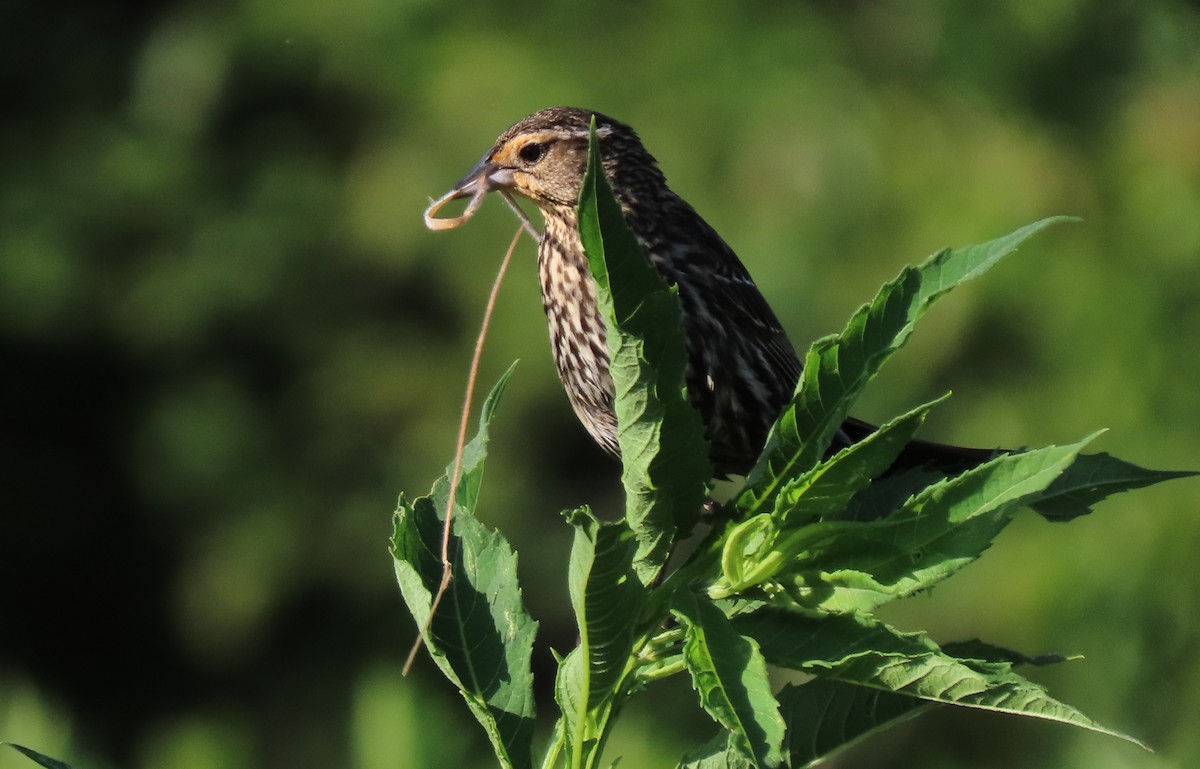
[{"x": 929, "y": 455}]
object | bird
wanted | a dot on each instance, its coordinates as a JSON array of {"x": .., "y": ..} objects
[{"x": 741, "y": 370}]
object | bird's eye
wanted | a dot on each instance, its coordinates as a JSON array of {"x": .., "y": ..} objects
[{"x": 532, "y": 152}]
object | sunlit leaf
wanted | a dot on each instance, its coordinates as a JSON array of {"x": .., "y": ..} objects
[
  {"x": 664, "y": 455},
  {"x": 837, "y": 368},
  {"x": 829, "y": 487},
  {"x": 1092, "y": 478},
  {"x": 934, "y": 534},
  {"x": 717, "y": 753},
  {"x": 826, "y": 717},
  {"x": 607, "y": 598},
  {"x": 863, "y": 651},
  {"x": 481, "y": 636},
  {"x": 730, "y": 677}
]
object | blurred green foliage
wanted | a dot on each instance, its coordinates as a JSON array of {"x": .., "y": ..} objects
[{"x": 229, "y": 341}]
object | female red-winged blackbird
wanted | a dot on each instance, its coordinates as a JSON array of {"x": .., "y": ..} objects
[{"x": 742, "y": 369}]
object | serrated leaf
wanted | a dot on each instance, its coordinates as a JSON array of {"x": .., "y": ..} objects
[
  {"x": 38, "y": 758},
  {"x": 730, "y": 676},
  {"x": 607, "y": 598},
  {"x": 1092, "y": 478},
  {"x": 885, "y": 495},
  {"x": 941, "y": 678},
  {"x": 863, "y": 651},
  {"x": 481, "y": 636},
  {"x": 828, "y": 488},
  {"x": 836, "y": 369},
  {"x": 820, "y": 642},
  {"x": 664, "y": 454},
  {"x": 826, "y": 717},
  {"x": 717, "y": 753},
  {"x": 980, "y": 652},
  {"x": 936, "y": 532},
  {"x": 843, "y": 566},
  {"x": 570, "y": 692}
]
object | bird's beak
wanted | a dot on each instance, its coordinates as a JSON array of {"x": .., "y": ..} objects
[
  {"x": 486, "y": 175},
  {"x": 479, "y": 181}
]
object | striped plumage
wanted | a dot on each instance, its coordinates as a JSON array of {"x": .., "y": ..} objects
[{"x": 742, "y": 369}]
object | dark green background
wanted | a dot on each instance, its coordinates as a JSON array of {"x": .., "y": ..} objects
[{"x": 229, "y": 342}]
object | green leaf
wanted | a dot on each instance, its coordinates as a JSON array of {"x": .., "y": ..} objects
[
  {"x": 38, "y": 758},
  {"x": 828, "y": 488},
  {"x": 863, "y": 651},
  {"x": 885, "y": 495},
  {"x": 941, "y": 678},
  {"x": 825, "y": 717},
  {"x": 842, "y": 566},
  {"x": 717, "y": 753},
  {"x": 861, "y": 565},
  {"x": 983, "y": 653},
  {"x": 481, "y": 636},
  {"x": 817, "y": 643},
  {"x": 1092, "y": 478},
  {"x": 837, "y": 368},
  {"x": 664, "y": 455},
  {"x": 607, "y": 598},
  {"x": 730, "y": 675}
]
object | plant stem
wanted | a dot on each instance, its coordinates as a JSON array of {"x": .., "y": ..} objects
[{"x": 556, "y": 746}]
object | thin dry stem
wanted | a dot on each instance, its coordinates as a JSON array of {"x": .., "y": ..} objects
[
  {"x": 434, "y": 223},
  {"x": 447, "y": 566}
]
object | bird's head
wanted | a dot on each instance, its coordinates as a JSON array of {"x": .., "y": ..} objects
[{"x": 543, "y": 157}]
